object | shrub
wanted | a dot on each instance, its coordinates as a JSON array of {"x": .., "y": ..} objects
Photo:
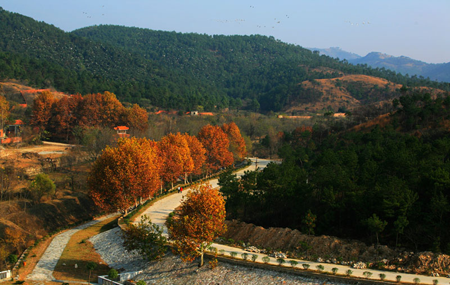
[
  {"x": 12, "y": 258},
  {"x": 334, "y": 270},
  {"x": 293, "y": 263},
  {"x": 398, "y": 277},
  {"x": 231, "y": 241},
  {"x": 382, "y": 276},
  {"x": 141, "y": 282},
  {"x": 368, "y": 274},
  {"x": 254, "y": 257},
  {"x": 306, "y": 266},
  {"x": 113, "y": 274},
  {"x": 320, "y": 267},
  {"x": 280, "y": 261},
  {"x": 266, "y": 259},
  {"x": 244, "y": 255},
  {"x": 435, "y": 281},
  {"x": 222, "y": 251},
  {"x": 233, "y": 254},
  {"x": 416, "y": 280},
  {"x": 349, "y": 272},
  {"x": 213, "y": 263}
]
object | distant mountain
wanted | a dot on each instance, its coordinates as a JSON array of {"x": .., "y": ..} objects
[
  {"x": 401, "y": 64},
  {"x": 337, "y": 52}
]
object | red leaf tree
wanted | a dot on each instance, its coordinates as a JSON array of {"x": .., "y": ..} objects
[
  {"x": 42, "y": 110},
  {"x": 198, "y": 153},
  {"x": 237, "y": 143},
  {"x": 216, "y": 144},
  {"x": 176, "y": 156},
  {"x": 200, "y": 220},
  {"x": 122, "y": 175},
  {"x": 136, "y": 118}
]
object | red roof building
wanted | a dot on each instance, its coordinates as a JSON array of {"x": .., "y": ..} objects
[{"x": 122, "y": 131}]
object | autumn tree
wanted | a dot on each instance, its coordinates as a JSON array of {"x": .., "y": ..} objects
[
  {"x": 64, "y": 117},
  {"x": 111, "y": 110},
  {"x": 122, "y": 175},
  {"x": 100, "y": 110},
  {"x": 4, "y": 110},
  {"x": 200, "y": 220},
  {"x": 216, "y": 144},
  {"x": 198, "y": 153},
  {"x": 136, "y": 118},
  {"x": 42, "y": 110},
  {"x": 176, "y": 155},
  {"x": 237, "y": 143}
]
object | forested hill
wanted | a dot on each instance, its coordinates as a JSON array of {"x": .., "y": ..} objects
[
  {"x": 47, "y": 56},
  {"x": 168, "y": 69},
  {"x": 246, "y": 67}
]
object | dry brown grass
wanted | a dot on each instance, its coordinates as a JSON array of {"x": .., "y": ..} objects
[{"x": 80, "y": 251}]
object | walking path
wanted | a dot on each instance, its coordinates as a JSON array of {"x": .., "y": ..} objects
[
  {"x": 159, "y": 211},
  {"x": 43, "y": 270}
]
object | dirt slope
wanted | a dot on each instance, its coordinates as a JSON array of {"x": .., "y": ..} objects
[{"x": 329, "y": 248}]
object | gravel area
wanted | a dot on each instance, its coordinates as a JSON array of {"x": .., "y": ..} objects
[
  {"x": 171, "y": 270},
  {"x": 109, "y": 245}
]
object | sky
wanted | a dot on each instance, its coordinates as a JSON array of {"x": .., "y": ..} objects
[{"x": 418, "y": 29}]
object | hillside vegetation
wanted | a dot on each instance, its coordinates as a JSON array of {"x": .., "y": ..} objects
[
  {"x": 387, "y": 183},
  {"x": 168, "y": 69}
]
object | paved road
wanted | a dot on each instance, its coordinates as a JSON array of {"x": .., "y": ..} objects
[
  {"x": 159, "y": 212},
  {"x": 43, "y": 270}
]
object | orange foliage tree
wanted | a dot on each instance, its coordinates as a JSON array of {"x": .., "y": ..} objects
[
  {"x": 198, "y": 153},
  {"x": 200, "y": 220},
  {"x": 176, "y": 156},
  {"x": 111, "y": 110},
  {"x": 136, "y": 118},
  {"x": 64, "y": 117},
  {"x": 122, "y": 175},
  {"x": 216, "y": 144},
  {"x": 42, "y": 110},
  {"x": 237, "y": 143},
  {"x": 100, "y": 110}
]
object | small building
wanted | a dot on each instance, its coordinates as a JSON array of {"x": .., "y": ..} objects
[
  {"x": 14, "y": 129},
  {"x": 194, "y": 113},
  {"x": 122, "y": 131}
]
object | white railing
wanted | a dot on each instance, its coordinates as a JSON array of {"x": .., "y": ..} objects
[
  {"x": 5, "y": 274},
  {"x": 103, "y": 280}
]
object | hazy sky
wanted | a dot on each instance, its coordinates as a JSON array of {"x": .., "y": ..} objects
[{"x": 415, "y": 28}]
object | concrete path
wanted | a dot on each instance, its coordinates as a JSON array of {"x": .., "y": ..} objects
[
  {"x": 43, "y": 270},
  {"x": 159, "y": 212}
]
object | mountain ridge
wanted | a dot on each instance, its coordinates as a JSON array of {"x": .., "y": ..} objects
[{"x": 402, "y": 64}]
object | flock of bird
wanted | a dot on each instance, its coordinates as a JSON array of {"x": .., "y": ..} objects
[
  {"x": 89, "y": 16},
  {"x": 277, "y": 21}
]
